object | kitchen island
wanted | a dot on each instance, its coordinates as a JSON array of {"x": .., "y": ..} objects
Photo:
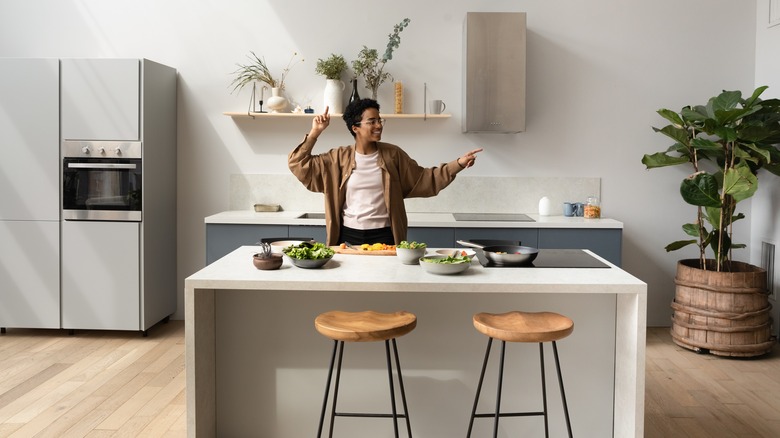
[{"x": 256, "y": 366}]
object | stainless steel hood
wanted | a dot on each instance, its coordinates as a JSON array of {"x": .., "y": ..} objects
[{"x": 494, "y": 72}]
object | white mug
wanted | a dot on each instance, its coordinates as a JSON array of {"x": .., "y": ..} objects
[{"x": 437, "y": 107}]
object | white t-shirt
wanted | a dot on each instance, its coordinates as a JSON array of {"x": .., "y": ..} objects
[{"x": 365, "y": 207}]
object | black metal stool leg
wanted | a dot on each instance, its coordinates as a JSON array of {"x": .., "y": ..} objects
[
  {"x": 544, "y": 391},
  {"x": 498, "y": 391},
  {"x": 403, "y": 391},
  {"x": 392, "y": 390},
  {"x": 327, "y": 389},
  {"x": 563, "y": 393},
  {"x": 479, "y": 386},
  {"x": 336, "y": 389}
]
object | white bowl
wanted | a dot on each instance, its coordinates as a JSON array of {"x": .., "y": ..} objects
[
  {"x": 409, "y": 256},
  {"x": 467, "y": 252},
  {"x": 442, "y": 268},
  {"x": 279, "y": 245}
]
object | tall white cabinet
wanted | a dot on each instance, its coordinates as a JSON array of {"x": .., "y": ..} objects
[
  {"x": 29, "y": 193},
  {"x": 85, "y": 274},
  {"x": 122, "y": 275}
]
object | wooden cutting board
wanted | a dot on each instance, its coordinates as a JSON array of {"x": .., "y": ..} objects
[{"x": 380, "y": 252}]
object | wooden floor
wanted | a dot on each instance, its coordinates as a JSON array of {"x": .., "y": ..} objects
[
  {"x": 93, "y": 384},
  {"x": 118, "y": 384},
  {"x": 701, "y": 395}
]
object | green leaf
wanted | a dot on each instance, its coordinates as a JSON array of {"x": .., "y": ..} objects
[
  {"x": 674, "y": 246},
  {"x": 672, "y": 117},
  {"x": 695, "y": 114},
  {"x": 679, "y": 135},
  {"x": 706, "y": 144},
  {"x": 725, "y": 101},
  {"x": 691, "y": 230},
  {"x": 700, "y": 189},
  {"x": 660, "y": 159},
  {"x": 712, "y": 215},
  {"x": 752, "y": 99},
  {"x": 740, "y": 183}
]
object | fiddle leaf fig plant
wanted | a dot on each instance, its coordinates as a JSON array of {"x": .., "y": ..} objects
[{"x": 726, "y": 142}]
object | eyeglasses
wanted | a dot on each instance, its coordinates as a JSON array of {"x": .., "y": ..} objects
[{"x": 371, "y": 122}]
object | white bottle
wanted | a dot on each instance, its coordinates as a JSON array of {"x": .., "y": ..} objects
[{"x": 545, "y": 208}]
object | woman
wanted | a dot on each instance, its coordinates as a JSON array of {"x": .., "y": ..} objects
[{"x": 365, "y": 184}]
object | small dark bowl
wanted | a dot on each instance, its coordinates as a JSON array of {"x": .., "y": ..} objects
[
  {"x": 309, "y": 263},
  {"x": 268, "y": 263}
]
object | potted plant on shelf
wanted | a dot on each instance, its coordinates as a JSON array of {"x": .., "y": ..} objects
[
  {"x": 371, "y": 67},
  {"x": 720, "y": 305},
  {"x": 257, "y": 71},
  {"x": 332, "y": 68}
]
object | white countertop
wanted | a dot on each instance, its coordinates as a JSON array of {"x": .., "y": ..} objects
[
  {"x": 443, "y": 220},
  {"x": 346, "y": 272}
]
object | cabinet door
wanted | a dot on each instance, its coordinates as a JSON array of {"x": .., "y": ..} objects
[
  {"x": 100, "y": 99},
  {"x": 605, "y": 243},
  {"x": 101, "y": 275},
  {"x": 526, "y": 236},
  {"x": 316, "y": 232},
  {"x": 30, "y": 274},
  {"x": 433, "y": 237},
  {"x": 29, "y": 139},
  {"x": 221, "y": 239}
]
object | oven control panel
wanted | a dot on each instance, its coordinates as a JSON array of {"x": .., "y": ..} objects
[{"x": 101, "y": 149}]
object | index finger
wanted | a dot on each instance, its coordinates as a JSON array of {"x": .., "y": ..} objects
[
  {"x": 476, "y": 151},
  {"x": 326, "y": 111}
]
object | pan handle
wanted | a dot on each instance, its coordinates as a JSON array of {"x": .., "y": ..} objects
[{"x": 469, "y": 244}]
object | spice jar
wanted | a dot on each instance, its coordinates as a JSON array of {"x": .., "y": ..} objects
[{"x": 592, "y": 208}]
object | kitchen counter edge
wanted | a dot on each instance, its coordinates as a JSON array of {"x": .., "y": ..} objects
[{"x": 434, "y": 220}]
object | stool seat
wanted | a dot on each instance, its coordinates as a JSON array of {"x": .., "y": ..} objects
[
  {"x": 366, "y": 326},
  {"x": 519, "y": 326}
]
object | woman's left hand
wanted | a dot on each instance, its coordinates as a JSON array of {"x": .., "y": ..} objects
[{"x": 469, "y": 158}]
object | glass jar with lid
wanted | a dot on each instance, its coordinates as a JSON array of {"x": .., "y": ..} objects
[{"x": 592, "y": 208}]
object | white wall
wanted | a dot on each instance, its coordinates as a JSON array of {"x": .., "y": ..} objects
[
  {"x": 765, "y": 215},
  {"x": 597, "y": 72}
]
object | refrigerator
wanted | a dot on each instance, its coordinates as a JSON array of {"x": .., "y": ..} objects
[{"x": 29, "y": 193}]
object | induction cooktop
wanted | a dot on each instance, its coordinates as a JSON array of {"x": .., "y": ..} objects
[
  {"x": 501, "y": 217},
  {"x": 552, "y": 258}
]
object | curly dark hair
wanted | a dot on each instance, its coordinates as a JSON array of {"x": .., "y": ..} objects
[{"x": 354, "y": 112}]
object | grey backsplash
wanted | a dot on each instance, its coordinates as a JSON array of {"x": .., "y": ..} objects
[{"x": 467, "y": 194}]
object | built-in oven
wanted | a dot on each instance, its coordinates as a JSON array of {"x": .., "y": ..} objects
[{"x": 101, "y": 180}]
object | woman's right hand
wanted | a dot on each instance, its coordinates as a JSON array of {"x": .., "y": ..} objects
[{"x": 319, "y": 123}]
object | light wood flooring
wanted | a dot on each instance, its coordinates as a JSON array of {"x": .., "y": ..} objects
[
  {"x": 93, "y": 384},
  {"x": 100, "y": 384}
]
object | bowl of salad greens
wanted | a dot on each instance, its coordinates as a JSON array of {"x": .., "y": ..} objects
[
  {"x": 445, "y": 264},
  {"x": 309, "y": 255},
  {"x": 409, "y": 253}
]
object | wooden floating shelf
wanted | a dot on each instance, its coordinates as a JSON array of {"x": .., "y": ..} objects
[{"x": 245, "y": 115}]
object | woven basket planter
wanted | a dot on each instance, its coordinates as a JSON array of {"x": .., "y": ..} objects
[{"x": 723, "y": 313}]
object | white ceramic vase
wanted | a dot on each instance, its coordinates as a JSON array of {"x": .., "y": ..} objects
[
  {"x": 277, "y": 103},
  {"x": 334, "y": 96}
]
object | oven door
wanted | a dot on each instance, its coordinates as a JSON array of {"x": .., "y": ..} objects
[{"x": 101, "y": 189}]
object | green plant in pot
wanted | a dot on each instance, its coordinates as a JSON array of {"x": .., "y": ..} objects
[
  {"x": 726, "y": 142},
  {"x": 332, "y": 68},
  {"x": 371, "y": 67}
]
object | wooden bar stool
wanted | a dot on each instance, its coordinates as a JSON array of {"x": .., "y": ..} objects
[
  {"x": 367, "y": 326},
  {"x": 517, "y": 326}
]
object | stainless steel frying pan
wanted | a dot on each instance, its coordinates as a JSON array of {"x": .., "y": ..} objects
[{"x": 505, "y": 255}]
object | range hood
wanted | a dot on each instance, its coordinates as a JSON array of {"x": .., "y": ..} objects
[{"x": 494, "y": 46}]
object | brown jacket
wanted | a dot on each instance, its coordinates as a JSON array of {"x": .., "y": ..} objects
[{"x": 402, "y": 178}]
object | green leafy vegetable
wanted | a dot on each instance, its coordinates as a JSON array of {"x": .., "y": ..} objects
[
  {"x": 411, "y": 245},
  {"x": 449, "y": 260},
  {"x": 308, "y": 250}
]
